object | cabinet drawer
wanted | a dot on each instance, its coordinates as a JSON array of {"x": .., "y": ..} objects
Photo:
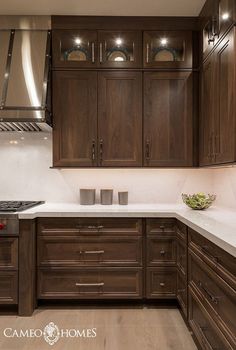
[
  {"x": 161, "y": 282},
  {"x": 181, "y": 256},
  {"x": 204, "y": 328},
  {"x": 160, "y": 226},
  {"x": 161, "y": 250},
  {"x": 182, "y": 292},
  {"x": 8, "y": 253},
  {"x": 108, "y": 250},
  {"x": 217, "y": 295},
  {"x": 8, "y": 287},
  {"x": 91, "y": 226},
  {"x": 90, "y": 283},
  {"x": 221, "y": 262}
]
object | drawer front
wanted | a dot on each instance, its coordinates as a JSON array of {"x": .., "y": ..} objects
[
  {"x": 91, "y": 226},
  {"x": 181, "y": 256},
  {"x": 160, "y": 226},
  {"x": 161, "y": 250},
  {"x": 8, "y": 287},
  {"x": 161, "y": 282},
  {"x": 223, "y": 263},
  {"x": 182, "y": 292},
  {"x": 90, "y": 283},
  {"x": 76, "y": 251},
  {"x": 206, "y": 331},
  {"x": 218, "y": 296},
  {"x": 8, "y": 253}
]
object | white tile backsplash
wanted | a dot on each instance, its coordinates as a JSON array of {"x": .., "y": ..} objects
[{"x": 25, "y": 174}]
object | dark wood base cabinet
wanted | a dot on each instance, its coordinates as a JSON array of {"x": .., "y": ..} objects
[{"x": 92, "y": 283}]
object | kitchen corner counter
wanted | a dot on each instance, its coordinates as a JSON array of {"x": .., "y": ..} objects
[{"x": 216, "y": 224}]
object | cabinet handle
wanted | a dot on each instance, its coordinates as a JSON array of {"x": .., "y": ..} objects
[
  {"x": 92, "y": 252},
  {"x": 162, "y": 284},
  {"x": 208, "y": 293},
  {"x": 162, "y": 252},
  {"x": 93, "y": 54},
  {"x": 101, "y": 284},
  {"x": 147, "y": 53},
  {"x": 181, "y": 290},
  {"x": 101, "y": 150},
  {"x": 93, "y": 150},
  {"x": 147, "y": 150},
  {"x": 90, "y": 227},
  {"x": 100, "y": 53},
  {"x": 162, "y": 227}
]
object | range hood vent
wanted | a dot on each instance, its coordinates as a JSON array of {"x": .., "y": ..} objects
[{"x": 24, "y": 80}]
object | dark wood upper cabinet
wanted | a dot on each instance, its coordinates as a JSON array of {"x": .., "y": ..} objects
[
  {"x": 217, "y": 121},
  {"x": 207, "y": 113},
  {"x": 74, "y": 48},
  {"x": 75, "y": 118},
  {"x": 167, "y": 49},
  {"x": 120, "y": 49},
  {"x": 120, "y": 118},
  {"x": 168, "y": 119}
]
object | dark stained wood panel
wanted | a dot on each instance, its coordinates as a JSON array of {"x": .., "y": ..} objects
[
  {"x": 75, "y": 118},
  {"x": 168, "y": 134},
  {"x": 120, "y": 118}
]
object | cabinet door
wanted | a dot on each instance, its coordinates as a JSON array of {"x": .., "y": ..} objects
[
  {"x": 74, "y": 48},
  {"x": 168, "y": 119},
  {"x": 120, "y": 118},
  {"x": 75, "y": 118},
  {"x": 207, "y": 112},
  {"x": 163, "y": 49},
  {"x": 120, "y": 49},
  {"x": 224, "y": 142}
]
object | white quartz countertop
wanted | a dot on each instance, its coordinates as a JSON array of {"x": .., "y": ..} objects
[{"x": 216, "y": 224}]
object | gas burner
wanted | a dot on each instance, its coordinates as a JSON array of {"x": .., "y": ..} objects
[{"x": 15, "y": 206}]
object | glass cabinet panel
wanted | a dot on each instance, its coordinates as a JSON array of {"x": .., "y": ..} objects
[
  {"x": 167, "y": 49},
  {"x": 74, "y": 48},
  {"x": 119, "y": 49}
]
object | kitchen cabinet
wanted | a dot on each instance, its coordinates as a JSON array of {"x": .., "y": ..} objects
[
  {"x": 9, "y": 270},
  {"x": 161, "y": 280},
  {"x": 167, "y": 49},
  {"x": 120, "y": 118},
  {"x": 74, "y": 48},
  {"x": 85, "y": 136},
  {"x": 75, "y": 118},
  {"x": 90, "y": 258},
  {"x": 168, "y": 119},
  {"x": 212, "y": 288},
  {"x": 120, "y": 49},
  {"x": 97, "y": 49},
  {"x": 217, "y": 123}
]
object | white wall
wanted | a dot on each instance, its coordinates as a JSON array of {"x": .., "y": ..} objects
[
  {"x": 25, "y": 174},
  {"x": 224, "y": 184}
]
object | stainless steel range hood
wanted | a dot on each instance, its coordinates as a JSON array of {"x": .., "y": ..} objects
[{"x": 25, "y": 73}]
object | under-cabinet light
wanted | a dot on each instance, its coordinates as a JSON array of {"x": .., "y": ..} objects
[
  {"x": 225, "y": 16},
  {"x": 164, "y": 41}
]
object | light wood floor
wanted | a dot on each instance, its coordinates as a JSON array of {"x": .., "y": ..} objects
[{"x": 117, "y": 329}]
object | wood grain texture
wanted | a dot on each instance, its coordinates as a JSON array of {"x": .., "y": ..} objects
[
  {"x": 117, "y": 328},
  {"x": 27, "y": 267},
  {"x": 120, "y": 118},
  {"x": 168, "y": 119},
  {"x": 75, "y": 118}
]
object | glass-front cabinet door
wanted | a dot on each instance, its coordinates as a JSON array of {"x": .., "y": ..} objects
[
  {"x": 74, "y": 48},
  {"x": 120, "y": 49},
  {"x": 167, "y": 49}
]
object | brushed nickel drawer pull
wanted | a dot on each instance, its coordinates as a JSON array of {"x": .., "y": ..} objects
[
  {"x": 181, "y": 290},
  {"x": 208, "y": 293},
  {"x": 92, "y": 252},
  {"x": 101, "y": 284},
  {"x": 162, "y": 252},
  {"x": 93, "y": 55},
  {"x": 162, "y": 227},
  {"x": 162, "y": 284},
  {"x": 100, "y": 53}
]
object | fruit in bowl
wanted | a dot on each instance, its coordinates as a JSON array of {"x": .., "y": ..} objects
[{"x": 198, "y": 201}]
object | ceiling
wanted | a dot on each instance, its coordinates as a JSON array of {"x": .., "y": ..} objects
[{"x": 102, "y": 7}]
